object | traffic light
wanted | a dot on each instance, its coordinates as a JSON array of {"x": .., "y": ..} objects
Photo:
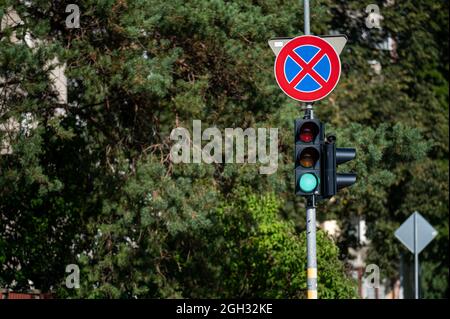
[
  {"x": 308, "y": 162},
  {"x": 317, "y": 159},
  {"x": 333, "y": 156}
]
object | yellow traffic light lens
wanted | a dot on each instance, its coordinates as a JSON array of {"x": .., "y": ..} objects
[
  {"x": 307, "y": 161},
  {"x": 308, "y": 157}
]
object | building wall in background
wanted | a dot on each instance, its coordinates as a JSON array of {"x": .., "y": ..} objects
[{"x": 56, "y": 75}]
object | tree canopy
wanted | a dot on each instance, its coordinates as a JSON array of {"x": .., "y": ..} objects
[{"x": 96, "y": 186}]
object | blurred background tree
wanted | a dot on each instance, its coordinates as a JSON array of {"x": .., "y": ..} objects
[{"x": 96, "y": 186}]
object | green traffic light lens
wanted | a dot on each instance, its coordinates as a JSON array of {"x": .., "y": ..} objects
[{"x": 308, "y": 182}]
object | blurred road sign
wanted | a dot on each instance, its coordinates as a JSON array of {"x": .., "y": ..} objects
[
  {"x": 307, "y": 68},
  {"x": 337, "y": 42},
  {"x": 423, "y": 230},
  {"x": 415, "y": 233}
]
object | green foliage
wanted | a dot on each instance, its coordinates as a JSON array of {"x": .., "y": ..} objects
[
  {"x": 267, "y": 258},
  {"x": 96, "y": 186}
]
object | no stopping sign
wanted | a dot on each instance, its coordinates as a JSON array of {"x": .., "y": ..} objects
[{"x": 307, "y": 68}]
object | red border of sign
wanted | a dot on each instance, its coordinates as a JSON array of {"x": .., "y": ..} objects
[{"x": 335, "y": 72}]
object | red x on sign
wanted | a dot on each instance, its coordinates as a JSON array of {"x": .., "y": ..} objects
[{"x": 307, "y": 68}]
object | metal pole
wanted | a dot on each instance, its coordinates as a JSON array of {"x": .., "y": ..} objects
[
  {"x": 306, "y": 16},
  {"x": 311, "y": 272},
  {"x": 416, "y": 260},
  {"x": 308, "y": 111},
  {"x": 402, "y": 276}
]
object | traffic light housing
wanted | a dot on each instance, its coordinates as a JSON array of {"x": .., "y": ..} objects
[
  {"x": 317, "y": 159},
  {"x": 309, "y": 137},
  {"x": 333, "y": 156}
]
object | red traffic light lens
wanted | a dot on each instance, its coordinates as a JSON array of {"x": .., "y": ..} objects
[
  {"x": 308, "y": 157},
  {"x": 306, "y": 136},
  {"x": 308, "y": 132}
]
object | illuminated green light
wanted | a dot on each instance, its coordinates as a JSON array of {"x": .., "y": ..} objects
[{"x": 308, "y": 182}]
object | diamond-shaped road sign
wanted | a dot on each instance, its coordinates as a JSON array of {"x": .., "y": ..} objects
[
  {"x": 415, "y": 226},
  {"x": 337, "y": 42}
]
